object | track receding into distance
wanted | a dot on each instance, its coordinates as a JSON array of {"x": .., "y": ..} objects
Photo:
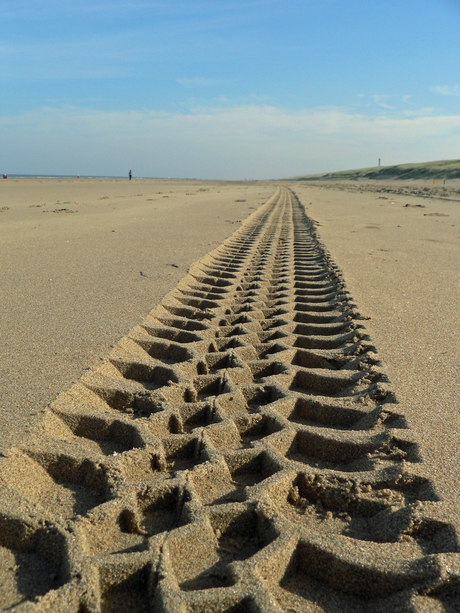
[{"x": 239, "y": 451}]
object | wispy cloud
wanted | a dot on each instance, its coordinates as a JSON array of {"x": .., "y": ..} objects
[
  {"x": 420, "y": 112},
  {"x": 257, "y": 141},
  {"x": 381, "y": 100},
  {"x": 446, "y": 90},
  {"x": 95, "y": 55},
  {"x": 13, "y": 9},
  {"x": 198, "y": 82},
  {"x": 197, "y": 15},
  {"x": 75, "y": 47}
]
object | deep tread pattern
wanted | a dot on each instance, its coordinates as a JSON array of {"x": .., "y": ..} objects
[{"x": 239, "y": 451}]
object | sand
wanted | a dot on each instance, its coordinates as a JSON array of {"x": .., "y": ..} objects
[
  {"x": 402, "y": 266},
  {"x": 258, "y": 443},
  {"x": 83, "y": 261}
]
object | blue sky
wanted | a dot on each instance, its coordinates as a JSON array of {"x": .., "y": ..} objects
[{"x": 227, "y": 89}]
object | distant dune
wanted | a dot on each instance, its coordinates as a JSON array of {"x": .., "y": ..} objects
[{"x": 444, "y": 169}]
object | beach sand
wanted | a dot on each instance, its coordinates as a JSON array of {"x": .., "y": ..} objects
[
  {"x": 83, "y": 261},
  {"x": 247, "y": 437},
  {"x": 402, "y": 266}
]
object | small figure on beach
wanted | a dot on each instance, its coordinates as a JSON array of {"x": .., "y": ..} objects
[
  {"x": 5, "y": 176},
  {"x": 130, "y": 175}
]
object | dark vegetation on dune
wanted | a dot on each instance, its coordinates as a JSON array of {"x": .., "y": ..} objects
[{"x": 444, "y": 169}]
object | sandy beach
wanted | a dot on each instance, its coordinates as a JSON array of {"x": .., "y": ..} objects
[
  {"x": 83, "y": 261},
  {"x": 211, "y": 402},
  {"x": 400, "y": 254}
]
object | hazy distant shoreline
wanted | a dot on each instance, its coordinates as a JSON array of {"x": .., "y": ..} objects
[{"x": 25, "y": 176}]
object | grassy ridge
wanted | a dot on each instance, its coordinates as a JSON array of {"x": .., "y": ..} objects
[{"x": 444, "y": 169}]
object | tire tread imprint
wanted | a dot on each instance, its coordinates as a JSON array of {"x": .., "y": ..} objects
[{"x": 241, "y": 450}]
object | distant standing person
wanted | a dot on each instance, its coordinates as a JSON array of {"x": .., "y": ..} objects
[{"x": 130, "y": 175}]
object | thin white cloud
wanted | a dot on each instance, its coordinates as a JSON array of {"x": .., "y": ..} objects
[
  {"x": 253, "y": 141},
  {"x": 446, "y": 90},
  {"x": 89, "y": 57},
  {"x": 76, "y": 53},
  {"x": 197, "y": 82},
  {"x": 42, "y": 9},
  {"x": 381, "y": 100},
  {"x": 198, "y": 15},
  {"x": 422, "y": 112}
]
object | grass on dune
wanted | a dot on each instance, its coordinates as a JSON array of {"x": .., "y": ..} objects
[{"x": 443, "y": 169}]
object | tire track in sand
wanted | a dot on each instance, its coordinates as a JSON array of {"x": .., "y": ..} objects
[{"x": 239, "y": 451}]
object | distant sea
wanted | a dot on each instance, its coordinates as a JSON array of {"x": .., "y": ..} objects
[{"x": 12, "y": 176}]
